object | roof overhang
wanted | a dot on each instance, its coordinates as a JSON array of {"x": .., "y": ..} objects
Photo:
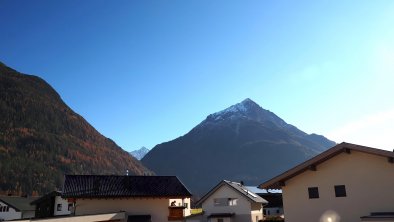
[{"x": 311, "y": 164}]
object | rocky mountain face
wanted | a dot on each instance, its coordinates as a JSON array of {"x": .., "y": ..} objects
[
  {"x": 140, "y": 153},
  {"x": 41, "y": 139},
  {"x": 241, "y": 143}
]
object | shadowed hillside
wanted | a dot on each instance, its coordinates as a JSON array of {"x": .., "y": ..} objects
[{"x": 41, "y": 139}]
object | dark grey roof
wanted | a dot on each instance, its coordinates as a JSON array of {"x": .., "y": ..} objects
[
  {"x": 19, "y": 203},
  {"x": 249, "y": 195},
  {"x": 46, "y": 197},
  {"x": 102, "y": 186}
]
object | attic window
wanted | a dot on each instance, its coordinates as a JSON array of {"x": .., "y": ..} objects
[
  {"x": 313, "y": 192},
  {"x": 340, "y": 190},
  {"x": 225, "y": 202}
]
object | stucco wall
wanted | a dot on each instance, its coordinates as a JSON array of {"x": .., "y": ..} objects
[
  {"x": 157, "y": 208},
  {"x": 369, "y": 180},
  {"x": 256, "y": 212},
  {"x": 243, "y": 209},
  {"x": 11, "y": 214},
  {"x": 64, "y": 203}
]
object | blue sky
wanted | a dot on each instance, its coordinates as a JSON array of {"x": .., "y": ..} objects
[{"x": 146, "y": 72}]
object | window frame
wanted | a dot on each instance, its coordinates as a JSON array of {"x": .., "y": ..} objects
[
  {"x": 59, "y": 207},
  {"x": 313, "y": 192},
  {"x": 340, "y": 191}
]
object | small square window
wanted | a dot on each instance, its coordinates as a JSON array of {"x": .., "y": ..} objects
[
  {"x": 313, "y": 192},
  {"x": 340, "y": 191},
  {"x": 59, "y": 207}
]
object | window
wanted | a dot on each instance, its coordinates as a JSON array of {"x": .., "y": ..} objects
[
  {"x": 4, "y": 208},
  {"x": 313, "y": 192},
  {"x": 70, "y": 206},
  {"x": 277, "y": 211},
  {"x": 59, "y": 207},
  {"x": 186, "y": 205},
  {"x": 340, "y": 191},
  {"x": 220, "y": 201},
  {"x": 232, "y": 201},
  {"x": 220, "y": 220},
  {"x": 225, "y": 201}
]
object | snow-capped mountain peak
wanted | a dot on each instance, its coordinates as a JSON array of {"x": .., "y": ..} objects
[
  {"x": 239, "y": 108},
  {"x": 140, "y": 153}
]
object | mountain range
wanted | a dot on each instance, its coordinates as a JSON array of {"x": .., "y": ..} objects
[
  {"x": 241, "y": 143},
  {"x": 41, "y": 139}
]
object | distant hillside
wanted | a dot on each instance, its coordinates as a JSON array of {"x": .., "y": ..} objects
[
  {"x": 241, "y": 143},
  {"x": 41, "y": 139},
  {"x": 140, "y": 153}
]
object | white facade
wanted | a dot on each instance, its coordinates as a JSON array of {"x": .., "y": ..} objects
[
  {"x": 242, "y": 209},
  {"x": 61, "y": 207},
  {"x": 368, "y": 180},
  {"x": 9, "y": 213},
  {"x": 273, "y": 212},
  {"x": 157, "y": 208},
  {"x": 87, "y": 218}
]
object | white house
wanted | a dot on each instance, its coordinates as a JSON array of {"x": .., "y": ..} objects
[
  {"x": 348, "y": 183},
  {"x": 138, "y": 198},
  {"x": 16, "y": 207},
  {"x": 230, "y": 202},
  {"x": 52, "y": 205}
]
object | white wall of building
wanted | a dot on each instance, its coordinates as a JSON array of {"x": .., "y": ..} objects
[
  {"x": 63, "y": 210},
  {"x": 369, "y": 180},
  {"x": 244, "y": 211},
  {"x": 156, "y": 207},
  {"x": 12, "y": 214}
]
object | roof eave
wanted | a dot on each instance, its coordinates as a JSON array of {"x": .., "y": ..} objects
[{"x": 280, "y": 180}]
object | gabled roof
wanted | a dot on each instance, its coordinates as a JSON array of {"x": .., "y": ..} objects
[
  {"x": 278, "y": 181},
  {"x": 260, "y": 192},
  {"x": 19, "y": 203},
  {"x": 103, "y": 186},
  {"x": 46, "y": 197},
  {"x": 238, "y": 187}
]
